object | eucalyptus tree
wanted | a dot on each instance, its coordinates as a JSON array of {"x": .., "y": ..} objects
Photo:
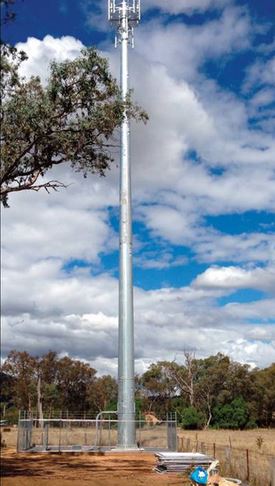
[
  {"x": 21, "y": 370},
  {"x": 102, "y": 393},
  {"x": 72, "y": 120}
]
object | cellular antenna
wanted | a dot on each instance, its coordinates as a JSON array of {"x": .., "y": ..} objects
[{"x": 125, "y": 15}]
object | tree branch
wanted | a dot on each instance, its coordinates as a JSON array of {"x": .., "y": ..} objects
[{"x": 55, "y": 185}]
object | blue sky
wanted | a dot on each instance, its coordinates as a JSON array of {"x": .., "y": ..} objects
[{"x": 203, "y": 192}]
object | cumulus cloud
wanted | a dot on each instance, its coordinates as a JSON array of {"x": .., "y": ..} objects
[
  {"x": 51, "y": 301},
  {"x": 77, "y": 314},
  {"x": 71, "y": 224},
  {"x": 237, "y": 278},
  {"x": 213, "y": 246},
  {"x": 183, "y": 48},
  {"x": 42, "y": 52}
]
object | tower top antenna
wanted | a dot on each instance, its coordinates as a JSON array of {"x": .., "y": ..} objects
[{"x": 119, "y": 9}]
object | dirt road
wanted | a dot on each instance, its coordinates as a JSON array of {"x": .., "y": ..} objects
[{"x": 83, "y": 470}]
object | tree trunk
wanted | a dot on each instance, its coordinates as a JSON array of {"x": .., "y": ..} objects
[
  {"x": 30, "y": 405},
  {"x": 209, "y": 412},
  {"x": 39, "y": 403}
]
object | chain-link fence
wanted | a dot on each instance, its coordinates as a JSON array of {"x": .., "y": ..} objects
[
  {"x": 88, "y": 434},
  {"x": 255, "y": 467}
]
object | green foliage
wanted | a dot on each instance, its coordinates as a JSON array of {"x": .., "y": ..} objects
[
  {"x": 139, "y": 407},
  {"x": 73, "y": 379},
  {"x": 11, "y": 415},
  {"x": 233, "y": 415},
  {"x": 111, "y": 406},
  {"x": 102, "y": 394},
  {"x": 157, "y": 381},
  {"x": 20, "y": 368},
  {"x": 72, "y": 120},
  {"x": 251, "y": 424},
  {"x": 68, "y": 384},
  {"x": 191, "y": 418},
  {"x": 265, "y": 397}
]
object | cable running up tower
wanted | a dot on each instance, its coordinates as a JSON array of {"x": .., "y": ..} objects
[{"x": 125, "y": 15}]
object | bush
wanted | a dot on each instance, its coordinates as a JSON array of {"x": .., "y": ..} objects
[
  {"x": 234, "y": 415},
  {"x": 191, "y": 418},
  {"x": 11, "y": 416}
]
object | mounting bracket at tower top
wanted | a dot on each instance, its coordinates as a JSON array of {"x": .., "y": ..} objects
[
  {"x": 116, "y": 9},
  {"x": 124, "y": 15}
]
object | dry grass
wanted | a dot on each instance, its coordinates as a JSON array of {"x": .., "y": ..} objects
[
  {"x": 9, "y": 436},
  {"x": 243, "y": 439},
  {"x": 248, "y": 455},
  {"x": 149, "y": 436},
  {"x": 247, "y": 439}
]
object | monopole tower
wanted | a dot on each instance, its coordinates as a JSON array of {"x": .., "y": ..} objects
[{"x": 125, "y": 15}]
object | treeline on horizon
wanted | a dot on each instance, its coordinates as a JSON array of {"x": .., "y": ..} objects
[{"x": 212, "y": 392}]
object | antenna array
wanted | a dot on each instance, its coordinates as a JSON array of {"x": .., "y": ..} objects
[{"x": 116, "y": 9}]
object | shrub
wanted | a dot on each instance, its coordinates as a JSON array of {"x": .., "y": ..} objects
[
  {"x": 191, "y": 418},
  {"x": 234, "y": 415}
]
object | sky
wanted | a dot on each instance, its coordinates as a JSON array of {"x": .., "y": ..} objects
[{"x": 203, "y": 180}]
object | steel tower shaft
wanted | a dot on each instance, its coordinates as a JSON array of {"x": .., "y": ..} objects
[{"x": 125, "y": 14}]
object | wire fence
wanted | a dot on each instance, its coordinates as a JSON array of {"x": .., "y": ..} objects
[
  {"x": 90, "y": 434},
  {"x": 254, "y": 467}
]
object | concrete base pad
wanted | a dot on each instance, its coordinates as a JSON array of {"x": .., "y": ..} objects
[{"x": 126, "y": 449}]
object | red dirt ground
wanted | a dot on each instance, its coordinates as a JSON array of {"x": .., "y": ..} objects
[{"x": 111, "y": 469}]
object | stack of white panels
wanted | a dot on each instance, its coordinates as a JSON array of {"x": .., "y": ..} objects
[{"x": 181, "y": 461}]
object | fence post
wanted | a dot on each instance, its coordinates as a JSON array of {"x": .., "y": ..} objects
[
  {"x": 228, "y": 460},
  {"x": 59, "y": 437},
  {"x": 214, "y": 450},
  {"x": 247, "y": 465},
  {"x": 109, "y": 432},
  {"x": 139, "y": 429},
  {"x": 272, "y": 464}
]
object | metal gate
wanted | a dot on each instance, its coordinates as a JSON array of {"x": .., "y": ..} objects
[
  {"x": 172, "y": 432},
  {"x": 24, "y": 435}
]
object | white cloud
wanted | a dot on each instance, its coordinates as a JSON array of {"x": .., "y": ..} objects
[
  {"x": 263, "y": 97},
  {"x": 96, "y": 10},
  {"x": 261, "y": 73},
  {"x": 183, "y": 48},
  {"x": 42, "y": 52},
  {"x": 168, "y": 223},
  {"x": 184, "y": 6},
  {"x": 237, "y": 278},
  {"x": 261, "y": 311},
  {"x": 158, "y": 260},
  {"x": 43, "y": 289},
  {"x": 76, "y": 312},
  {"x": 56, "y": 226},
  {"x": 246, "y": 247}
]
